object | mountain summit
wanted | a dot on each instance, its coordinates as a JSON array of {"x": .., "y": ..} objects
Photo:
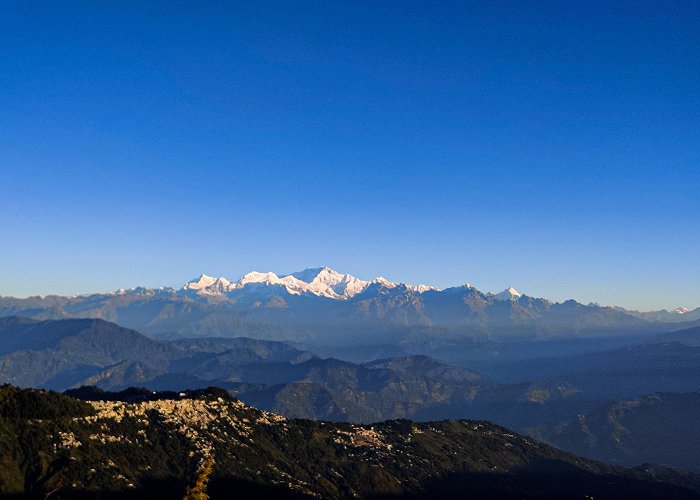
[{"x": 509, "y": 294}]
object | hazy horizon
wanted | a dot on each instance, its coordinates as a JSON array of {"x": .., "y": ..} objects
[{"x": 180, "y": 284}]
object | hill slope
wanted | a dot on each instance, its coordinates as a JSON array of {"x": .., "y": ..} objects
[
  {"x": 271, "y": 375},
  {"x": 660, "y": 428},
  {"x": 58, "y": 446},
  {"x": 58, "y": 354}
]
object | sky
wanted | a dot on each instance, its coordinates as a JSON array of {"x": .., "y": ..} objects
[{"x": 549, "y": 146}]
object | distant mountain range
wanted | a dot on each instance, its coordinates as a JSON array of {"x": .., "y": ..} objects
[
  {"x": 624, "y": 372},
  {"x": 323, "y": 306}
]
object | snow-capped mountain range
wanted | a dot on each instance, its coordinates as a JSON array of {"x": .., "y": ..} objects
[
  {"x": 331, "y": 284},
  {"x": 323, "y": 304},
  {"x": 321, "y": 281}
]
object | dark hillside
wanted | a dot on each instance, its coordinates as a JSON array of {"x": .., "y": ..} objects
[{"x": 57, "y": 446}]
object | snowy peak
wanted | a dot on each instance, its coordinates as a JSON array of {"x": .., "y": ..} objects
[
  {"x": 199, "y": 283},
  {"x": 512, "y": 291},
  {"x": 326, "y": 282},
  {"x": 256, "y": 277},
  {"x": 344, "y": 285},
  {"x": 422, "y": 288},
  {"x": 310, "y": 273},
  {"x": 208, "y": 284},
  {"x": 329, "y": 277},
  {"x": 382, "y": 281},
  {"x": 293, "y": 285},
  {"x": 682, "y": 310},
  {"x": 508, "y": 294}
]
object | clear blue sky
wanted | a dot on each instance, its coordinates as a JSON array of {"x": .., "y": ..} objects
[{"x": 551, "y": 147}]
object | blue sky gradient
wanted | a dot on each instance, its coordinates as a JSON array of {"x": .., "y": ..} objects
[{"x": 551, "y": 147}]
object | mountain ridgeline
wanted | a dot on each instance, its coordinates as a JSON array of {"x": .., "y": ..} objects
[
  {"x": 659, "y": 427},
  {"x": 545, "y": 399},
  {"x": 323, "y": 306},
  {"x": 271, "y": 375},
  {"x": 204, "y": 443}
]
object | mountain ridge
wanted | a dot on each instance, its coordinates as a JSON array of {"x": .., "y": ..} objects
[
  {"x": 156, "y": 445},
  {"x": 320, "y": 304},
  {"x": 326, "y": 282}
]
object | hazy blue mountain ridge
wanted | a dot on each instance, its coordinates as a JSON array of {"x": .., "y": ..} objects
[
  {"x": 340, "y": 309},
  {"x": 547, "y": 395}
]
